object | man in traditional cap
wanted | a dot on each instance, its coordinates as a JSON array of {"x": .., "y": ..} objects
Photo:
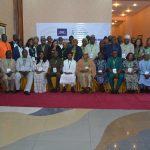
[
  {"x": 92, "y": 48},
  {"x": 127, "y": 46},
  {"x": 43, "y": 47},
  {"x": 86, "y": 71}
]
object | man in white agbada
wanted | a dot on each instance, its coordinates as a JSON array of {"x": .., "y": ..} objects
[
  {"x": 41, "y": 68},
  {"x": 92, "y": 48},
  {"x": 24, "y": 68},
  {"x": 68, "y": 77},
  {"x": 127, "y": 47}
]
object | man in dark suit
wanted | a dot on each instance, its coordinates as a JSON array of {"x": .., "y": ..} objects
[
  {"x": 14, "y": 43},
  {"x": 43, "y": 47}
]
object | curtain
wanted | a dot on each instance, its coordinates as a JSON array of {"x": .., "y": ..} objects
[{"x": 18, "y": 17}]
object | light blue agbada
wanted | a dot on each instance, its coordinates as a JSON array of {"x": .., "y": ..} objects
[{"x": 143, "y": 67}]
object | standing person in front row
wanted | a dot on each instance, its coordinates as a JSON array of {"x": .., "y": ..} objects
[
  {"x": 86, "y": 71},
  {"x": 130, "y": 66},
  {"x": 41, "y": 69},
  {"x": 68, "y": 76},
  {"x": 114, "y": 66},
  {"x": 8, "y": 71},
  {"x": 144, "y": 67},
  {"x": 24, "y": 68},
  {"x": 54, "y": 70}
]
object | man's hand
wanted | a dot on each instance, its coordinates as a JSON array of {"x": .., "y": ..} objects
[
  {"x": 9, "y": 74},
  {"x": 147, "y": 76},
  {"x": 24, "y": 73}
]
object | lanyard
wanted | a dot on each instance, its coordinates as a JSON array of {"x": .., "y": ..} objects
[
  {"x": 41, "y": 63},
  {"x": 114, "y": 62},
  {"x": 43, "y": 47},
  {"x": 24, "y": 61},
  {"x": 55, "y": 62},
  {"x": 69, "y": 63},
  {"x": 8, "y": 62},
  {"x": 91, "y": 47}
]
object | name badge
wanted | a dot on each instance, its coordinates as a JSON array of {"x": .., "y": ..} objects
[
  {"x": 33, "y": 58},
  {"x": 114, "y": 70},
  {"x": 100, "y": 71},
  {"x": 54, "y": 70},
  {"x": 130, "y": 70},
  {"x": 86, "y": 67},
  {"x": 123, "y": 55},
  {"x": 40, "y": 68},
  {"x": 8, "y": 70},
  {"x": 91, "y": 55},
  {"x": 146, "y": 72}
]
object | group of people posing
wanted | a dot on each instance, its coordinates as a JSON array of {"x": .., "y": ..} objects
[{"x": 125, "y": 60}]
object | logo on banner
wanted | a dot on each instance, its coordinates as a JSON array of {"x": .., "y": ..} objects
[{"x": 61, "y": 32}]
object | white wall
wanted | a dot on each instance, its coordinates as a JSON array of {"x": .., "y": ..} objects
[{"x": 36, "y": 11}]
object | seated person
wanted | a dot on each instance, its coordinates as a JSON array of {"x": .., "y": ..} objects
[
  {"x": 41, "y": 68},
  {"x": 8, "y": 71},
  {"x": 130, "y": 66},
  {"x": 144, "y": 68},
  {"x": 101, "y": 75},
  {"x": 68, "y": 76},
  {"x": 114, "y": 66},
  {"x": 54, "y": 70},
  {"x": 24, "y": 68},
  {"x": 86, "y": 71}
]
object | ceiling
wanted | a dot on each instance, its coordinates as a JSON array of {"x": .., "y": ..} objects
[{"x": 128, "y": 4}]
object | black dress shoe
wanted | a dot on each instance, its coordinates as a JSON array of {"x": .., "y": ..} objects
[
  {"x": 64, "y": 90},
  {"x": 72, "y": 90},
  {"x": 17, "y": 91},
  {"x": 27, "y": 93}
]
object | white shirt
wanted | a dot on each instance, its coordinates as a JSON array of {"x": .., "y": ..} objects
[
  {"x": 69, "y": 66},
  {"x": 24, "y": 64},
  {"x": 127, "y": 48},
  {"x": 92, "y": 50}
]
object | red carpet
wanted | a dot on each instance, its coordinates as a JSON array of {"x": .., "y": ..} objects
[{"x": 69, "y": 100}]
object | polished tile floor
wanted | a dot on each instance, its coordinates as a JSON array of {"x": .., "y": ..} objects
[{"x": 23, "y": 128}]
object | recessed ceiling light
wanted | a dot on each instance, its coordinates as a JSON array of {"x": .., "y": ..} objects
[
  {"x": 116, "y": 21},
  {"x": 116, "y": 4},
  {"x": 113, "y": 23},
  {"x": 134, "y": 146},
  {"x": 113, "y": 10},
  {"x": 135, "y": 4},
  {"x": 123, "y": 14},
  {"x": 115, "y": 146},
  {"x": 128, "y": 10}
]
